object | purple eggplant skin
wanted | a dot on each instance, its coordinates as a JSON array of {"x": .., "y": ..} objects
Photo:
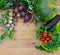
[{"x": 52, "y": 22}]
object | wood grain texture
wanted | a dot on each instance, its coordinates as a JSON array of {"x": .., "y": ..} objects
[{"x": 24, "y": 41}]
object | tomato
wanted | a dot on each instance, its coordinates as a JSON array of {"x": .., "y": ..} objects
[
  {"x": 45, "y": 42},
  {"x": 44, "y": 34},
  {"x": 45, "y": 37}
]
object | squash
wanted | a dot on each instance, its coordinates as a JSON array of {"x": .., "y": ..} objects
[{"x": 46, "y": 9}]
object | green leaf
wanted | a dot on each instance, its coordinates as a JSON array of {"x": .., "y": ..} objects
[
  {"x": 54, "y": 38},
  {"x": 10, "y": 35},
  {"x": 3, "y": 20},
  {"x": 1, "y": 1},
  {"x": 36, "y": 17},
  {"x": 8, "y": 5},
  {"x": 30, "y": 7},
  {"x": 7, "y": 28},
  {"x": 58, "y": 27},
  {"x": 39, "y": 47},
  {"x": 38, "y": 33},
  {"x": 2, "y": 36}
]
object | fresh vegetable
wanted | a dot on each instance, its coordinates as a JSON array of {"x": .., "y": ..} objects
[
  {"x": 21, "y": 8},
  {"x": 49, "y": 39},
  {"x": 22, "y": 13},
  {"x": 53, "y": 22},
  {"x": 45, "y": 37},
  {"x": 46, "y": 9},
  {"x": 26, "y": 18},
  {"x": 41, "y": 10},
  {"x": 49, "y": 42}
]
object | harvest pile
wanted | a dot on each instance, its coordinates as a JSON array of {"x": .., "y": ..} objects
[
  {"x": 42, "y": 11},
  {"x": 49, "y": 39},
  {"x": 21, "y": 10}
]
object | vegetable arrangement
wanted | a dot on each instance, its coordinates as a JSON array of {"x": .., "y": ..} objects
[
  {"x": 21, "y": 10},
  {"x": 49, "y": 36},
  {"x": 41, "y": 10},
  {"x": 49, "y": 40},
  {"x": 7, "y": 22}
]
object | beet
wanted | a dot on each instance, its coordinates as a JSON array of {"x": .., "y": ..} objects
[
  {"x": 26, "y": 18},
  {"x": 22, "y": 14},
  {"x": 16, "y": 10},
  {"x": 20, "y": 8},
  {"x": 14, "y": 19}
]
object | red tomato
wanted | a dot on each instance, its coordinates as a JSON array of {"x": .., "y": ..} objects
[
  {"x": 44, "y": 34},
  {"x": 47, "y": 38},
  {"x": 45, "y": 42}
]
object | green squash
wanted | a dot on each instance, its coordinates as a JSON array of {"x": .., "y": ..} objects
[{"x": 46, "y": 9}]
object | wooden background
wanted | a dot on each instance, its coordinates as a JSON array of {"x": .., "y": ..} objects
[{"x": 24, "y": 41}]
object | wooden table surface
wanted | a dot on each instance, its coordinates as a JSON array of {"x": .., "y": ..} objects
[{"x": 24, "y": 41}]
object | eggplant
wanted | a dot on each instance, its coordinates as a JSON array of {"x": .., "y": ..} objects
[{"x": 52, "y": 22}]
